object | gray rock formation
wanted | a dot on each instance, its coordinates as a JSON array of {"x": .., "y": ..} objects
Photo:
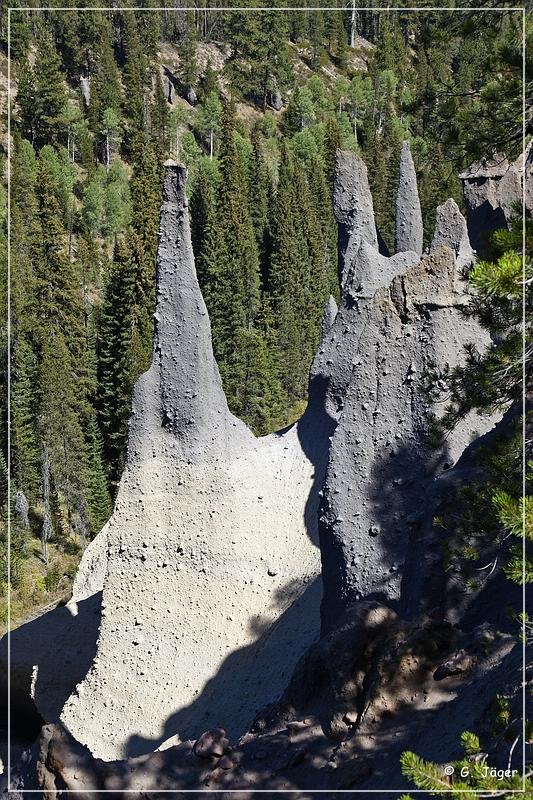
[
  {"x": 330, "y": 312},
  {"x": 368, "y": 270},
  {"x": 22, "y": 508},
  {"x": 409, "y": 229},
  {"x": 85, "y": 89},
  {"x": 492, "y": 189},
  {"x": 451, "y": 230},
  {"x": 173, "y": 86},
  {"x": 209, "y": 565},
  {"x": 190, "y": 95},
  {"x": 208, "y": 570},
  {"x": 353, "y": 208},
  {"x": 191, "y": 403},
  {"x": 380, "y": 465},
  {"x": 170, "y": 92},
  {"x": 275, "y": 99}
]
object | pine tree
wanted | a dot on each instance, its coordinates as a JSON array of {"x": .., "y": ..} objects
[
  {"x": 260, "y": 193},
  {"x": 159, "y": 117},
  {"x": 187, "y": 52},
  {"x": 60, "y": 427},
  {"x": 23, "y": 405},
  {"x": 134, "y": 80},
  {"x": 378, "y": 180},
  {"x": 98, "y": 498},
  {"x": 50, "y": 91},
  {"x": 106, "y": 92},
  {"x": 204, "y": 229},
  {"x": 116, "y": 370},
  {"x": 208, "y": 120}
]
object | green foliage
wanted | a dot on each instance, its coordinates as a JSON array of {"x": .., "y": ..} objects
[{"x": 465, "y": 777}]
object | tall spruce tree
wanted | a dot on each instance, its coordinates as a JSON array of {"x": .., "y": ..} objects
[{"x": 115, "y": 367}]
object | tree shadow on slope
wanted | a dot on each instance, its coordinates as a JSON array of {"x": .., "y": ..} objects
[
  {"x": 250, "y": 671},
  {"x": 315, "y": 429},
  {"x": 409, "y": 497},
  {"x": 55, "y": 650}
]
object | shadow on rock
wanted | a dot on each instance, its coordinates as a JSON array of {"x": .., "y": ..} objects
[
  {"x": 240, "y": 674},
  {"x": 53, "y": 653}
]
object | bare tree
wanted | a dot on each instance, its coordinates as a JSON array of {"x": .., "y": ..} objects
[{"x": 47, "y": 529}]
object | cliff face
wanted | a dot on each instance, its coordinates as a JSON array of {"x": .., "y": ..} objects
[
  {"x": 209, "y": 569},
  {"x": 493, "y": 189}
]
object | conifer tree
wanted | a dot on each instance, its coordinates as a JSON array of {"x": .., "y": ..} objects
[
  {"x": 159, "y": 117},
  {"x": 208, "y": 120},
  {"x": 260, "y": 195},
  {"x": 106, "y": 92},
  {"x": 115, "y": 369},
  {"x": 134, "y": 79},
  {"x": 49, "y": 91},
  {"x": 187, "y": 51},
  {"x": 98, "y": 497},
  {"x": 204, "y": 229},
  {"x": 60, "y": 427},
  {"x": 24, "y": 465}
]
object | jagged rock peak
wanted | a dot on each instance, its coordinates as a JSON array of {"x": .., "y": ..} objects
[
  {"x": 387, "y": 349},
  {"x": 352, "y": 206},
  {"x": 409, "y": 228},
  {"x": 451, "y": 230}
]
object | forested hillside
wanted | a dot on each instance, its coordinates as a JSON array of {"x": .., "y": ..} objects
[{"x": 255, "y": 104}]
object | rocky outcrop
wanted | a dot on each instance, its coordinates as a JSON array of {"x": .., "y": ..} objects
[
  {"x": 380, "y": 463},
  {"x": 451, "y": 230},
  {"x": 493, "y": 193},
  {"x": 409, "y": 228},
  {"x": 85, "y": 89},
  {"x": 400, "y": 321},
  {"x": 175, "y": 86}
]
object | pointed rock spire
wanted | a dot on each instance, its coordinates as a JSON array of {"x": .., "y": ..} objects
[
  {"x": 353, "y": 207},
  {"x": 451, "y": 230},
  {"x": 409, "y": 229},
  {"x": 183, "y": 385}
]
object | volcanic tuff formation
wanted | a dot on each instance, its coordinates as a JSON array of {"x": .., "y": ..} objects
[
  {"x": 208, "y": 545},
  {"x": 492, "y": 190},
  {"x": 409, "y": 230},
  {"x": 209, "y": 567}
]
